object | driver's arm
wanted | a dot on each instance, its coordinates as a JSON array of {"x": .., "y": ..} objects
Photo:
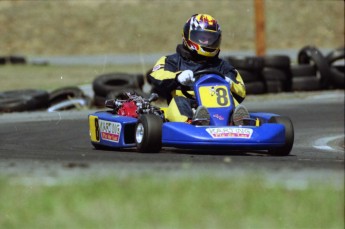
[
  {"x": 238, "y": 89},
  {"x": 163, "y": 77}
]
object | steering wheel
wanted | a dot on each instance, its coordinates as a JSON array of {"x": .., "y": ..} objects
[
  {"x": 200, "y": 73},
  {"x": 197, "y": 76}
]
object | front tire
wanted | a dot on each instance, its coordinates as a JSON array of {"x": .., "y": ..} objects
[
  {"x": 148, "y": 133},
  {"x": 289, "y": 136}
]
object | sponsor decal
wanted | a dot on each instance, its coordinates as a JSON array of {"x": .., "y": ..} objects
[
  {"x": 230, "y": 132},
  {"x": 157, "y": 67},
  {"x": 110, "y": 131},
  {"x": 218, "y": 116}
]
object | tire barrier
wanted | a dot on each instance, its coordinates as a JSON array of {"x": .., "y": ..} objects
[
  {"x": 249, "y": 63},
  {"x": 272, "y": 74},
  {"x": 13, "y": 59},
  {"x": 108, "y": 84},
  {"x": 77, "y": 103},
  {"x": 65, "y": 93},
  {"x": 255, "y": 88},
  {"x": 304, "y": 78},
  {"x": 23, "y": 100},
  {"x": 277, "y": 73},
  {"x": 2, "y": 60},
  {"x": 275, "y": 80},
  {"x": 250, "y": 69},
  {"x": 313, "y": 71},
  {"x": 67, "y": 98},
  {"x": 336, "y": 60},
  {"x": 312, "y": 55}
]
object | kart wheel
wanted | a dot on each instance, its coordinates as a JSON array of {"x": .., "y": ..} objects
[
  {"x": 289, "y": 136},
  {"x": 148, "y": 134}
]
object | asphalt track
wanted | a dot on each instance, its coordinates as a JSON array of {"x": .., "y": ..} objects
[{"x": 46, "y": 144}]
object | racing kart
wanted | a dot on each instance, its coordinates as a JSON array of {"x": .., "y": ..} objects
[{"x": 133, "y": 121}]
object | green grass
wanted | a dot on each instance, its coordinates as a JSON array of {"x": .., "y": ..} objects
[
  {"x": 13, "y": 77},
  {"x": 146, "y": 201}
]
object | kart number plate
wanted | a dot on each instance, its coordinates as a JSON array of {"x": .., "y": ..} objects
[
  {"x": 94, "y": 128},
  {"x": 214, "y": 96}
]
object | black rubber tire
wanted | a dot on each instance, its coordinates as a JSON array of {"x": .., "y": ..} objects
[
  {"x": 250, "y": 63},
  {"x": 306, "y": 83},
  {"x": 274, "y": 74},
  {"x": 104, "y": 84},
  {"x": 17, "y": 60},
  {"x": 151, "y": 133},
  {"x": 99, "y": 101},
  {"x": 65, "y": 93},
  {"x": 277, "y": 61},
  {"x": 274, "y": 86},
  {"x": 277, "y": 80},
  {"x": 289, "y": 136},
  {"x": 3, "y": 60},
  {"x": 303, "y": 70},
  {"x": 255, "y": 88},
  {"x": 309, "y": 54},
  {"x": 23, "y": 100},
  {"x": 281, "y": 62},
  {"x": 248, "y": 76},
  {"x": 338, "y": 78},
  {"x": 140, "y": 80},
  {"x": 335, "y": 55}
]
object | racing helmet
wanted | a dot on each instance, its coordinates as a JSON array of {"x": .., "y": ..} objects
[{"x": 202, "y": 34}]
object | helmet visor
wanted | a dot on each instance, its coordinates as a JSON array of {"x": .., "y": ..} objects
[{"x": 206, "y": 38}]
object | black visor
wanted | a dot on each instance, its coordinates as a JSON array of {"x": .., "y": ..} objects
[{"x": 206, "y": 38}]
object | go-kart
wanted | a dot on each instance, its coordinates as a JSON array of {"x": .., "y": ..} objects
[{"x": 133, "y": 121}]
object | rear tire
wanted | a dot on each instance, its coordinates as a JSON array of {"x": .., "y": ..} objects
[
  {"x": 289, "y": 136},
  {"x": 148, "y": 133}
]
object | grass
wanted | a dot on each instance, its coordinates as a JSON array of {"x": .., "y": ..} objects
[
  {"x": 146, "y": 201},
  {"x": 14, "y": 77},
  {"x": 36, "y": 28}
]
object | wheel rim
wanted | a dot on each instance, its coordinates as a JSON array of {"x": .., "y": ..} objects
[{"x": 139, "y": 133}]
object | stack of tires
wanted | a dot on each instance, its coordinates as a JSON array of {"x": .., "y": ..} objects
[
  {"x": 267, "y": 74},
  {"x": 311, "y": 72},
  {"x": 336, "y": 61},
  {"x": 12, "y": 59},
  {"x": 277, "y": 74},
  {"x": 23, "y": 100},
  {"x": 68, "y": 98},
  {"x": 250, "y": 68},
  {"x": 314, "y": 71},
  {"x": 110, "y": 85},
  {"x": 65, "y": 98}
]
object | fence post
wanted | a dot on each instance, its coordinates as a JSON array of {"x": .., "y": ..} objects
[{"x": 260, "y": 40}]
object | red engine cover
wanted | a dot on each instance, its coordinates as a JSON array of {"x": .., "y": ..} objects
[{"x": 128, "y": 109}]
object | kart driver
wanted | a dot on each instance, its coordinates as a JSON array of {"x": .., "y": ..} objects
[{"x": 201, "y": 38}]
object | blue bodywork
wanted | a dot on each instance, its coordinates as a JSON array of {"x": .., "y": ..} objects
[{"x": 183, "y": 135}]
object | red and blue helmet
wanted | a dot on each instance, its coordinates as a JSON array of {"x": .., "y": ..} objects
[{"x": 202, "y": 34}]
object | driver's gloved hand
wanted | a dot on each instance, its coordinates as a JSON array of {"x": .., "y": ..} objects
[{"x": 186, "y": 77}]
